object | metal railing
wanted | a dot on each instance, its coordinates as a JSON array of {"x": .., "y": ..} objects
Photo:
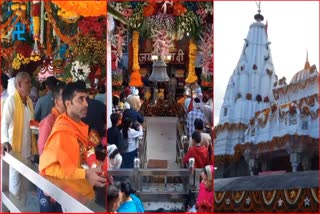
[
  {"x": 68, "y": 198},
  {"x": 142, "y": 148},
  {"x": 182, "y": 145},
  {"x": 136, "y": 176}
]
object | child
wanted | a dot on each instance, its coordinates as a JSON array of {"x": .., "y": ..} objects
[
  {"x": 197, "y": 151},
  {"x": 205, "y": 197}
]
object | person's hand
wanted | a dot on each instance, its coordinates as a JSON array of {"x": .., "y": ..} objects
[
  {"x": 95, "y": 178},
  {"x": 6, "y": 147}
]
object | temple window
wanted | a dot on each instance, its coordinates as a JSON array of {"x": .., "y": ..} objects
[{"x": 225, "y": 112}]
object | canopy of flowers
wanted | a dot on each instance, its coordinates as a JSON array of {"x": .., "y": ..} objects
[
  {"x": 177, "y": 18},
  {"x": 84, "y": 8}
]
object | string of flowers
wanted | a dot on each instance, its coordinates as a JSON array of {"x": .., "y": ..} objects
[
  {"x": 162, "y": 43},
  {"x": 206, "y": 51},
  {"x": 36, "y": 19},
  {"x": 192, "y": 77},
  {"x": 66, "y": 39},
  {"x": 118, "y": 40},
  {"x": 135, "y": 46},
  {"x": 135, "y": 78},
  {"x": 84, "y": 8}
]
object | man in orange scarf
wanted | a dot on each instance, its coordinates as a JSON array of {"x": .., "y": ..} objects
[
  {"x": 48, "y": 204},
  {"x": 66, "y": 147},
  {"x": 15, "y": 131}
]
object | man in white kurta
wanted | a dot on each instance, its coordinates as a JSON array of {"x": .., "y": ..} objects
[{"x": 23, "y": 86}]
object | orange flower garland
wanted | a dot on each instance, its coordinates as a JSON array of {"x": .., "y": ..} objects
[
  {"x": 135, "y": 46},
  {"x": 84, "y": 8},
  {"x": 135, "y": 78},
  {"x": 192, "y": 77},
  {"x": 36, "y": 19}
]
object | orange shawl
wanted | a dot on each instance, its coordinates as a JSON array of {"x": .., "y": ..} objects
[{"x": 65, "y": 145}]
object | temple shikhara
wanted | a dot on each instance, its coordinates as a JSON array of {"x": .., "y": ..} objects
[{"x": 267, "y": 134}]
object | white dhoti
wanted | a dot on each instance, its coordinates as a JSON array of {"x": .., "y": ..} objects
[{"x": 17, "y": 182}]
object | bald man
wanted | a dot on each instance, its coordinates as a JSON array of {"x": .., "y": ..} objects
[{"x": 15, "y": 132}]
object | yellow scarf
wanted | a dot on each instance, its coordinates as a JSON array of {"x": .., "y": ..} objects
[{"x": 18, "y": 125}]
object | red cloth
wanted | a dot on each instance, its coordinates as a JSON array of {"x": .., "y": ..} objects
[{"x": 200, "y": 155}]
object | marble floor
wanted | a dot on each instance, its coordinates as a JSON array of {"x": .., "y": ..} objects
[{"x": 161, "y": 139}]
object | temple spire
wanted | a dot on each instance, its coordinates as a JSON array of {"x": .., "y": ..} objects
[
  {"x": 307, "y": 65},
  {"x": 258, "y": 17}
]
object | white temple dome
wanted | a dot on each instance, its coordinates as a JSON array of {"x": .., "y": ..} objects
[{"x": 305, "y": 73}]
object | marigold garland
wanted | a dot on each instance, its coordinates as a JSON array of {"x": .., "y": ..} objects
[
  {"x": 84, "y": 8},
  {"x": 66, "y": 39},
  {"x": 192, "y": 77},
  {"x": 135, "y": 46},
  {"x": 36, "y": 19},
  {"x": 135, "y": 78}
]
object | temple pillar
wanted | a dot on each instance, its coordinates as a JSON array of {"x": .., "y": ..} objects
[
  {"x": 295, "y": 159},
  {"x": 109, "y": 72}
]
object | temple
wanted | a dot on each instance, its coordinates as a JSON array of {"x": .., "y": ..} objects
[{"x": 266, "y": 125}]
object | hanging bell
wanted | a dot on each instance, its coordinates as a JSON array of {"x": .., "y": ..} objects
[{"x": 159, "y": 72}]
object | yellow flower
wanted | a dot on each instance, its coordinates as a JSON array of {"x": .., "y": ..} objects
[{"x": 23, "y": 7}]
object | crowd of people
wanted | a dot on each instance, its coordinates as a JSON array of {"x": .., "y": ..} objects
[
  {"x": 61, "y": 114},
  {"x": 67, "y": 114}
]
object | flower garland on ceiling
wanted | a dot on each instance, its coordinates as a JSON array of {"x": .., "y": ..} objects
[
  {"x": 172, "y": 16},
  {"x": 84, "y": 8},
  {"x": 95, "y": 26},
  {"x": 68, "y": 16},
  {"x": 162, "y": 43},
  {"x": 66, "y": 39}
]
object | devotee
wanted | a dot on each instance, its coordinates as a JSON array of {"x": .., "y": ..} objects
[
  {"x": 207, "y": 110},
  {"x": 129, "y": 134},
  {"x": 115, "y": 159},
  {"x": 192, "y": 115},
  {"x": 197, "y": 151},
  {"x": 4, "y": 86},
  {"x": 115, "y": 104},
  {"x": 15, "y": 132},
  {"x": 45, "y": 103},
  {"x": 133, "y": 112},
  {"x": 114, "y": 136},
  {"x": 172, "y": 89},
  {"x": 46, "y": 124},
  {"x": 130, "y": 203},
  {"x": 204, "y": 201},
  {"x": 68, "y": 141},
  {"x": 101, "y": 96},
  {"x": 113, "y": 198},
  {"x": 205, "y": 137},
  {"x": 96, "y": 114}
]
